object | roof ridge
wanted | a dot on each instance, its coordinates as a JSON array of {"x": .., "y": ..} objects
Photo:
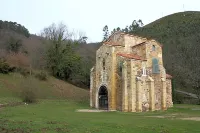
[{"x": 131, "y": 56}]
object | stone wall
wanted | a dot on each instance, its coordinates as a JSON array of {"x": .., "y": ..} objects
[
  {"x": 128, "y": 89},
  {"x": 103, "y": 77},
  {"x": 169, "y": 93},
  {"x": 117, "y": 38},
  {"x": 119, "y": 77},
  {"x": 150, "y": 54},
  {"x": 130, "y": 41},
  {"x": 140, "y": 50},
  {"x": 92, "y": 87},
  {"x": 158, "y": 91}
]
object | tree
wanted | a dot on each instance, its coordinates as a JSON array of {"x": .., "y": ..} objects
[
  {"x": 113, "y": 31},
  {"x": 128, "y": 29},
  {"x": 106, "y": 32},
  {"x": 14, "y": 27},
  {"x": 61, "y": 58},
  {"x": 14, "y": 45},
  {"x": 135, "y": 25},
  {"x": 118, "y": 29}
]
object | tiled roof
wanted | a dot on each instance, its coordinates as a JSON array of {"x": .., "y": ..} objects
[
  {"x": 131, "y": 56},
  {"x": 112, "y": 43},
  {"x": 168, "y": 76}
]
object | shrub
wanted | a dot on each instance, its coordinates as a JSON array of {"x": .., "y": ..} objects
[
  {"x": 28, "y": 91},
  {"x": 24, "y": 72},
  {"x": 4, "y": 67},
  {"x": 41, "y": 76},
  {"x": 19, "y": 60}
]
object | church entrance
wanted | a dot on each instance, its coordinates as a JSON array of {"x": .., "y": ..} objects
[{"x": 103, "y": 98}]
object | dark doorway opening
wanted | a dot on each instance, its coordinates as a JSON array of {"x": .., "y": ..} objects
[{"x": 103, "y": 98}]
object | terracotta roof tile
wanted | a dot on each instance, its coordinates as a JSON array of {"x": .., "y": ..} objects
[
  {"x": 131, "y": 56},
  {"x": 112, "y": 43},
  {"x": 168, "y": 76}
]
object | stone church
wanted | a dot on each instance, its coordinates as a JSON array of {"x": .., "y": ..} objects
[{"x": 129, "y": 75}]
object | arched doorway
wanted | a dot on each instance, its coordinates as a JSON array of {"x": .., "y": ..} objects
[{"x": 103, "y": 98}]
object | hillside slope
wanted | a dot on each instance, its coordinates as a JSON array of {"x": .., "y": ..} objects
[
  {"x": 179, "y": 33},
  {"x": 11, "y": 85}
]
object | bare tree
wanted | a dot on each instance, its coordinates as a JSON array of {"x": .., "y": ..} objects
[{"x": 61, "y": 57}]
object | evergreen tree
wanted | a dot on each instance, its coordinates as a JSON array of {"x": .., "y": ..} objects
[{"x": 106, "y": 32}]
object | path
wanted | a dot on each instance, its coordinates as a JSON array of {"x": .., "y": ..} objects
[{"x": 187, "y": 93}]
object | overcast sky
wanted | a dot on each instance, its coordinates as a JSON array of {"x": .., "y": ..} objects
[{"x": 90, "y": 16}]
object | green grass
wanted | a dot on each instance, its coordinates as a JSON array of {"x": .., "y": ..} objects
[
  {"x": 11, "y": 85},
  {"x": 56, "y": 108},
  {"x": 61, "y": 116}
]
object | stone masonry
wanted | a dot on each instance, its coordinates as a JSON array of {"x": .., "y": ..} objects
[{"x": 129, "y": 75}]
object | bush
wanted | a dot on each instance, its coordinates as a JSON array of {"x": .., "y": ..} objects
[
  {"x": 4, "y": 67},
  {"x": 24, "y": 72},
  {"x": 41, "y": 76},
  {"x": 28, "y": 92}
]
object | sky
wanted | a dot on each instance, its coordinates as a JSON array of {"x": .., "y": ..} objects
[{"x": 90, "y": 16}]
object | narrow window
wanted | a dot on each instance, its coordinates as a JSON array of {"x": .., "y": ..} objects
[
  {"x": 104, "y": 64},
  {"x": 155, "y": 66},
  {"x": 153, "y": 48},
  {"x": 144, "y": 72},
  {"x": 120, "y": 64}
]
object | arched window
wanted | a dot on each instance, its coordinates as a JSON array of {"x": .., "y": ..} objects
[
  {"x": 155, "y": 66},
  {"x": 104, "y": 63},
  {"x": 153, "y": 48}
]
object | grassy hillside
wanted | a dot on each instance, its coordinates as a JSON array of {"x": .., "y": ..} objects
[
  {"x": 12, "y": 84},
  {"x": 179, "y": 33}
]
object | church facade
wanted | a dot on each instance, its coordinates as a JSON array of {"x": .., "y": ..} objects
[{"x": 129, "y": 75}]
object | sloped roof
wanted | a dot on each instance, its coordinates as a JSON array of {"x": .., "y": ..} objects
[
  {"x": 131, "y": 56},
  {"x": 112, "y": 43},
  {"x": 132, "y": 35}
]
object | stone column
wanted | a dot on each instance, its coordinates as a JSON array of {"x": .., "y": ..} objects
[
  {"x": 133, "y": 87},
  {"x": 151, "y": 94},
  {"x": 91, "y": 87},
  {"x": 163, "y": 94},
  {"x": 138, "y": 95},
  {"x": 113, "y": 95},
  {"x": 124, "y": 88}
]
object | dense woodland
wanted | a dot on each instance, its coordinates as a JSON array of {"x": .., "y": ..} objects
[
  {"x": 14, "y": 26},
  {"x": 66, "y": 55}
]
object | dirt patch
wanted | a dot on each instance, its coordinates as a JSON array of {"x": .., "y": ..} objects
[
  {"x": 191, "y": 118},
  {"x": 164, "y": 116},
  {"x": 11, "y": 104},
  {"x": 176, "y": 116},
  {"x": 160, "y": 116},
  {"x": 195, "y": 108},
  {"x": 91, "y": 110}
]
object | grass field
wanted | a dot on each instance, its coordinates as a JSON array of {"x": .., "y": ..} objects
[
  {"x": 56, "y": 111},
  {"x": 61, "y": 116}
]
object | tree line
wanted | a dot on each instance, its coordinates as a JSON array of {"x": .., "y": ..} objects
[
  {"x": 14, "y": 26},
  {"x": 135, "y": 25}
]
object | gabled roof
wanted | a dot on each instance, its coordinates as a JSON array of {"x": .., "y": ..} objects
[
  {"x": 131, "y": 56},
  {"x": 132, "y": 35},
  {"x": 112, "y": 43}
]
